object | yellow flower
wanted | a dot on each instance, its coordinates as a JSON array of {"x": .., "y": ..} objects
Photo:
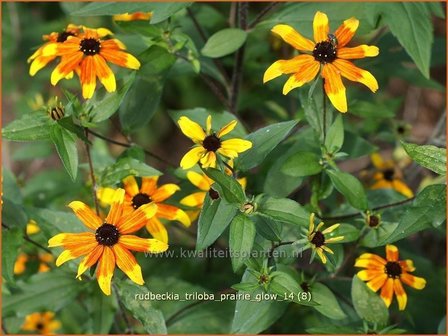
[
  {"x": 318, "y": 240},
  {"x": 327, "y": 53},
  {"x": 146, "y": 16},
  {"x": 388, "y": 176},
  {"x": 20, "y": 264},
  {"x": 38, "y": 60},
  {"x": 87, "y": 54},
  {"x": 42, "y": 323},
  {"x": 108, "y": 242},
  {"x": 388, "y": 275},
  {"x": 32, "y": 227},
  {"x": 208, "y": 143}
]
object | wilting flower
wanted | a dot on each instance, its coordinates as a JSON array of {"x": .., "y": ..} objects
[
  {"x": 327, "y": 53},
  {"x": 208, "y": 143},
  {"x": 133, "y": 16},
  {"x": 109, "y": 241},
  {"x": 388, "y": 275},
  {"x": 42, "y": 323},
  {"x": 389, "y": 176},
  {"x": 39, "y": 60},
  {"x": 88, "y": 53}
]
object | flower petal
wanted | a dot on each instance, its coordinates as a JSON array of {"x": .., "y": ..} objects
[
  {"x": 72, "y": 239},
  {"x": 208, "y": 124},
  {"x": 334, "y": 239},
  {"x": 86, "y": 215},
  {"x": 90, "y": 260},
  {"x": 346, "y": 31},
  {"x": 236, "y": 145},
  {"x": 138, "y": 244},
  {"x": 105, "y": 195},
  {"x": 104, "y": 73},
  {"x": 149, "y": 184},
  {"x": 113, "y": 44},
  {"x": 306, "y": 73},
  {"x": 321, "y": 254},
  {"x": 191, "y": 129},
  {"x": 311, "y": 227},
  {"x": 334, "y": 88},
  {"x": 116, "y": 208},
  {"x": 130, "y": 186},
  {"x": 331, "y": 228},
  {"x": 68, "y": 64},
  {"x": 320, "y": 27},
  {"x": 192, "y": 157},
  {"x": 402, "y": 298},
  {"x": 208, "y": 160},
  {"x": 137, "y": 219},
  {"x": 75, "y": 251},
  {"x": 226, "y": 128},
  {"x": 171, "y": 212},
  {"x": 39, "y": 63},
  {"x": 402, "y": 188},
  {"x": 361, "y": 51},
  {"x": 156, "y": 228},
  {"x": 127, "y": 263},
  {"x": 287, "y": 67},
  {"x": 164, "y": 192},
  {"x": 201, "y": 181},
  {"x": 391, "y": 253},
  {"x": 387, "y": 291},
  {"x": 376, "y": 283},
  {"x": 413, "y": 281},
  {"x": 368, "y": 274},
  {"x": 407, "y": 265},
  {"x": 120, "y": 58},
  {"x": 105, "y": 270},
  {"x": 378, "y": 161},
  {"x": 355, "y": 74},
  {"x": 292, "y": 37},
  {"x": 195, "y": 200},
  {"x": 88, "y": 77}
]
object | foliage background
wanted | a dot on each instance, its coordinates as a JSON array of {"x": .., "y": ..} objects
[{"x": 35, "y": 184}]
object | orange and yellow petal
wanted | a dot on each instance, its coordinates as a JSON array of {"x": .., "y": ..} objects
[
  {"x": 120, "y": 58},
  {"x": 377, "y": 282},
  {"x": 402, "y": 298},
  {"x": 287, "y": 67},
  {"x": 164, "y": 192},
  {"x": 413, "y": 281},
  {"x": 191, "y": 129},
  {"x": 116, "y": 208},
  {"x": 171, "y": 212},
  {"x": 104, "y": 73},
  {"x": 292, "y": 37},
  {"x": 202, "y": 181},
  {"x": 130, "y": 186},
  {"x": 20, "y": 263},
  {"x": 387, "y": 291},
  {"x": 72, "y": 239},
  {"x": 90, "y": 260},
  {"x": 407, "y": 265},
  {"x": 402, "y": 188},
  {"x": 88, "y": 77},
  {"x": 149, "y": 184},
  {"x": 321, "y": 27},
  {"x": 369, "y": 274},
  {"x": 195, "y": 200},
  {"x": 391, "y": 253},
  {"x": 156, "y": 228},
  {"x": 105, "y": 196},
  {"x": 138, "y": 244},
  {"x": 226, "y": 129},
  {"x": 127, "y": 263},
  {"x": 68, "y": 64},
  {"x": 133, "y": 16},
  {"x": 137, "y": 219},
  {"x": 39, "y": 63},
  {"x": 105, "y": 270},
  {"x": 358, "y": 52},
  {"x": 113, "y": 44},
  {"x": 334, "y": 88},
  {"x": 306, "y": 73},
  {"x": 355, "y": 74},
  {"x": 346, "y": 31},
  {"x": 75, "y": 251},
  {"x": 192, "y": 157},
  {"x": 382, "y": 184},
  {"x": 86, "y": 215}
]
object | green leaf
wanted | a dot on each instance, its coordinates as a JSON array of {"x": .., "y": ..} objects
[
  {"x": 328, "y": 303},
  {"x": 151, "y": 318},
  {"x": 13, "y": 214},
  {"x": 287, "y": 288},
  {"x": 104, "y": 104},
  {"x": 264, "y": 141},
  {"x": 103, "y": 312},
  {"x": 428, "y": 210},
  {"x": 335, "y": 136},
  {"x": 48, "y": 285},
  {"x": 368, "y": 304},
  {"x": 302, "y": 164},
  {"x": 70, "y": 126},
  {"x": 10, "y": 187},
  {"x": 164, "y": 10},
  {"x": 227, "y": 186},
  {"x": 30, "y": 127},
  {"x": 143, "y": 99},
  {"x": 224, "y": 42},
  {"x": 65, "y": 143},
  {"x": 410, "y": 23},
  {"x": 268, "y": 228},
  {"x": 350, "y": 233},
  {"x": 215, "y": 216},
  {"x": 12, "y": 239},
  {"x": 350, "y": 187},
  {"x": 246, "y": 286},
  {"x": 125, "y": 167},
  {"x": 313, "y": 107},
  {"x": 241, "y": 240},
  {"x": 284, "y": 210},
  {"x": 356, "y": 146},
  {"x": 428, "y": 156}
]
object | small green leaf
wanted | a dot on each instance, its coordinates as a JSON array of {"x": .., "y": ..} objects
[
  {"x": 13, "y": 214},
  {"x": 428, "y": 156},
  {"x": 335, "y": 136},
  {"x": 241, "y": 240},
  {"x": 12, "y": 239},
  {"x": 349, "y": 232},
  {"x": 227, "y": 186},
  {"x": 164, "y": 10},
  {"x": 224, "y": 42},
  {"x": 350, "y": 187},
  {"x": 65, "y": 143},
  {"x": 302, "y": 164},
  {"x": 268, "y": 228},
  {"x": 125, "y": 167},
  {"x": 328, "y": 303},
  {"x": 30, "y": 127},
  {"x": 264, "y": 141},
  {"x": 287, "y": 288},
  {"x": 368, "y": 304},
  {"x": 215, "y": 216},
  {"x": 284, "y": 210}
]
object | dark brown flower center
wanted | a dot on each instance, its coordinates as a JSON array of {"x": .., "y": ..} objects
[
  {"x": 400, "y": 130},
  {"x": 264, "y": 278},
  {"x": 62, "y": 37},
  {"x": 140, "y": 199},
  {"x": 211, "y": 143},
  {"x": 324, "y": 52},
  {"x": 107, "y": 234},
  {"x": 389, "y": 174},
  {"x": 374, "y": 221},
  {"x": 214, "y": 195},
  {"x": 90, "y": 46},
  {"x": 40, "y": 326},
  {"x": 393, "y": 269},
  {"x": 318, "y": 239}
]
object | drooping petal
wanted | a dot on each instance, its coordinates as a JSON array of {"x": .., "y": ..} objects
[
  {"x": 306, "y": 73},
  {"x": 292, "y": 37},
  {"x": 358, "y": 52},
  {"x": 192, "y": 157},
  {"x": 120, "y": 58},
  {"x": 391, "y": 253},
  {"x": 201, "y": 181},
  {"x": 88, "y": 77},
  {"x": 402, "y": 188},
  {"x": 195, "y": 200},
  {"x": 75, "y": 251},
  {"x": 376, "y": 283},
  {"x": 321, "y": 255},
  {"x": 171, "y": 212},
  {"x": 191, "y": 129},
  {"x": 368, "y": 274},
  {"x": 226, "y": 129},
  {"x": 334, "y": 88},
  {"x": 39, "y": 63},
  {"x": 142, "y": 245},
  {"x": 236, "y": 145},
  {"x": 149, "y": 184},
  {"x": 387, "y": 291},
  {"x": 164, "y": 192},
  {"x": 156, "y": 228},
  {"x": 413, "y": 281},
  {"x": 61, "y": 49},
  {"x": 331, "y": 228},
  {"x": 402, "y": 298},
  {"x": 130, "y": 186},
  {"x": 86, "y": 215},
  {"x": 208, "y": 160},
  {"x": 104, "y": 73},
  {"x": 137, "y": 219},
  {"x": 68, "y": 64},
  {"x": 346, "y": 31},
  {"x": 127, "y": 263},
  {"x": 90, "y": 260},
  {"x": 72, "y": 239},
  {"x": 320, "y": 27},
  {"x": 355, "y": 74},
  {"x": 105, "y": 269},
  {"x": 116, "y": 208}
]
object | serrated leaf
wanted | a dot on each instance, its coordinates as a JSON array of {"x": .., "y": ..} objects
[
  {"x": 227, "y": 186},
  {"x": 428, "y": 156},
  {"x": 350, "y": 187},
  {"x": 302, "y": 164},
  {"x": 241, "y": 240},
  {"x": 65, "y": 143},
  {"x": 30, "y": 127},
  {"x": 224, "y": 42}
]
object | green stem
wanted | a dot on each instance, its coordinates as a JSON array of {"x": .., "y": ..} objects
[
  {"x": 324, "y": 107},
  {"x": 92, "y": 173}
]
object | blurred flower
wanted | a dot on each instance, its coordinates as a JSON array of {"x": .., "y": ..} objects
[
  {"x": 87, "y": 54},
  {"x": 44, "y": 260},
  {"x": 42, "y": 323},
  {"x": 39, "y": 60},
  {"x": 20, "y": 264},
  {"x": 327, "y": 53},
  {"x": 388, "y": 176},
  {"x": 110, "y": 241},
  {"x": 208, "y": 143},
  {"x": 37, "y": 103},
  {"x": 146, "y": 16},
  {"x": 32, "y": 227},
  {"x": 388, "y": 275}
]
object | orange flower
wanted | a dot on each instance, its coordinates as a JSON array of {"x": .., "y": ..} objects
[
  {"x": 144, "y": 16},
  {"x": 149, "y": 193},
  {"x": 88, "y": 53},
  {"x": 327, "y": 53},
  {"x": 110, "y": 241},
  {"x": 388, "y": 275},
  {"x": 42, "y": 323}
]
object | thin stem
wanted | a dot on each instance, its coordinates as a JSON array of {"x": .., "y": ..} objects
[
  {"x": 262, "y": 14},
  {"x": 28, "y": 239},
  {"x": 92, "y": 173},
  {"x": 121, "y": 309},
  {"x": 324, "y": 107}
]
